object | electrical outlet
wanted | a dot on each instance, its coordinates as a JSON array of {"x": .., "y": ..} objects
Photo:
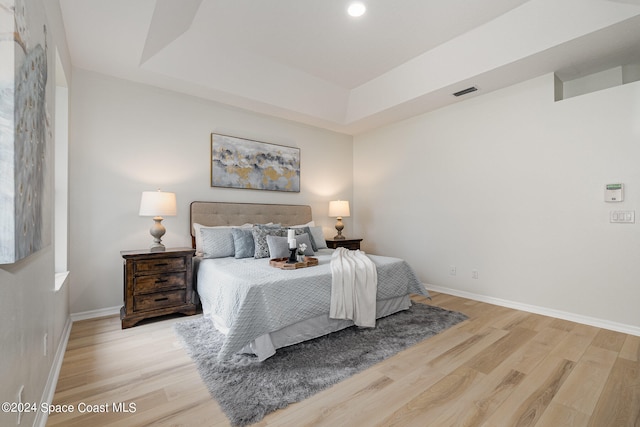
[
  {"x": 474, "y": 274},
  {"x": 452, "y": 270}
]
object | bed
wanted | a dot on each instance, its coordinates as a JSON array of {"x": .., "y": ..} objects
[{"x": 260, "y": 308}]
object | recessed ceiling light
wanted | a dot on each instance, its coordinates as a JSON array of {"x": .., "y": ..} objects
[{"x": 356, "y": 9}]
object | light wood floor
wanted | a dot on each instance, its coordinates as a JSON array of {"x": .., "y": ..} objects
[{"x": 501, "y": 367}]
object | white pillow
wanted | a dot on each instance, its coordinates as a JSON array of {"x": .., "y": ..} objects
[
  {"x": 309, "y": 224},
  {"x": 198, "y": 227}
]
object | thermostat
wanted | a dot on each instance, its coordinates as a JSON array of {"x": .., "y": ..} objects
[{"x": 614, "y": 193}]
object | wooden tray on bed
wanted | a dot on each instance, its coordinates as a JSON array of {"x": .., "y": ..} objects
[{"x": 282, "y": 263}]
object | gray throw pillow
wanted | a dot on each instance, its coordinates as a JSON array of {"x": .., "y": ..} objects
[
  {"x": 243, "y": 242},
  {"x": 217, "y": 242},
  {"x": 304, "y": 238},
  {"x": 313, "y": 242},
  {"x": 278, "y": 247},
  {"x": 318, "y": 238},
  {"x": 260, "y": 234}
]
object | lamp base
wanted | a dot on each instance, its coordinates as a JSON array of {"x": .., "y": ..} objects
[
  {"x": 157, "y": 231},
  {"x": 339, "y": 228},
  {"x": 157, "y": 248}
]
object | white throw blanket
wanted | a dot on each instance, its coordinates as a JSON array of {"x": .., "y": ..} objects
[{"x": 354, "y": 286}]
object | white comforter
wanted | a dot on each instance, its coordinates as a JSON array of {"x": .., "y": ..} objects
[
  {"x": 249, "y": 298},
  {"x": 354, "y": 284}
]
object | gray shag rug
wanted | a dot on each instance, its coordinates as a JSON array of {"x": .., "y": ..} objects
[{"x": 247, "y": 390}]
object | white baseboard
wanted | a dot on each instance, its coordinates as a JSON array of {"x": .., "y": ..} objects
[
  {"x": 54, "y": 372},
  {"x": 92, "y": 314},
  {"x": 578, "y": 318}
]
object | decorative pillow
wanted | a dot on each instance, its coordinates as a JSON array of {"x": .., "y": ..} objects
[
  {"x": 260, "y": 234},
  {"x": 196, "y": 233},
  {"x": 313, "y": 241},
  {"x": 318, "y": 238},
  {"x": 305, "y": 238},
  {"x": 301, "y": 230},
  {"x": 279, "y": 246},
  {"x": 243, "y": 242},
  {"x": 217, "y": 242}
]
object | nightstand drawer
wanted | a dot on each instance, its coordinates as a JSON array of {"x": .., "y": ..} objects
[
  {"x": 353, "y": 244},
  {"x": 159, "y": 300},
  {"x": 159, "y": 282},
  {"x": 160, "y": 265},
  {"x": 350, "y": 245}
]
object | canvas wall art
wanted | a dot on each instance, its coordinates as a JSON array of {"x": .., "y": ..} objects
[
  {"x": 25, "y": 130},
  {"x": 244, "y": 163}
]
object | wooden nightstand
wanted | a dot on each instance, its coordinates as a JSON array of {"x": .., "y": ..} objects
[
  {"x": 352, "y": 244},
  {"x": 156, "y": 283}
]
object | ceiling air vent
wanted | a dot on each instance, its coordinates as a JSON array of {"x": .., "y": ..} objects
[{"x": 466, "y": 91}]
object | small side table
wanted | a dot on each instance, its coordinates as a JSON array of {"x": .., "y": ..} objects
[
  {"x": 156, "y": 283},
  {"x": 353, "y": 244}
]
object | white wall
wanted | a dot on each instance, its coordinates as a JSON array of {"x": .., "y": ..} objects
[
  {"x": 126, "y": 138},
  {"x": 512, "y": 184}
]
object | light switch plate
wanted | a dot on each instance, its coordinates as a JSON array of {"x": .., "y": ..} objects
[{"x": 625, "y": 217}]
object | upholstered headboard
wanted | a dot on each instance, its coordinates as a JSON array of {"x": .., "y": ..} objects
[{"x": 224, "y": 213}]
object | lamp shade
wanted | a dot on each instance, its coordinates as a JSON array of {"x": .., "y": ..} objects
[
  {"x": 157, "y": 203},
  {"x": 339, "y": 208}
]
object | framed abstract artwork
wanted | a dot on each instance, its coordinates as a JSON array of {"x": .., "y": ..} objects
[
  {"x": 25, "y": 130},
  {"x": 245, "y": 163}
]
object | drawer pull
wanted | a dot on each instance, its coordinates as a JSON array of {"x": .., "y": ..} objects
[
  {"x": 163, "y": 264},
  {"x": 161, "y": 281},
  {"x": 161, "y": 299}
]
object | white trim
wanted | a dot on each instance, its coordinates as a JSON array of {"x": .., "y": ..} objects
[
  {"x": 92, "y": 314},
  {"x": 52, "y": 380},
  {"x": 573, "y": 317},
  {"x": 61, "y": 279}
]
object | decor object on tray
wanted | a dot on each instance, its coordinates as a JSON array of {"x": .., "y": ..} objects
[
  {"x": 339, "y": 209},
  {"x": 293, "y": 258},
  {"x": 247, "y": 389},
  {"x": 157, "y": 204},
  {"x": 301, "y": 249},
  {"x": 244, "y": 163}
]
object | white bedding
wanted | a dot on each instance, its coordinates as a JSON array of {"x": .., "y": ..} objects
[
  {"x": 354, "y": 282},
  {"x": 255, "y": 305}
]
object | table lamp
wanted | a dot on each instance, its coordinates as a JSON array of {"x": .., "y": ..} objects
[
  {"x": 157, "y": 204},
  {"x": 339, "y": 209}
]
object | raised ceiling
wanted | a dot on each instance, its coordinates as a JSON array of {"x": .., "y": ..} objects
[{"x": 308, "y": 61}]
